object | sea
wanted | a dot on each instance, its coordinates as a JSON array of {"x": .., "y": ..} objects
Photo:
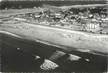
[{"x": 19, "y": 55}]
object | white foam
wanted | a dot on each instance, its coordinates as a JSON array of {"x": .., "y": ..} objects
[{"x": 9, "y": 33}]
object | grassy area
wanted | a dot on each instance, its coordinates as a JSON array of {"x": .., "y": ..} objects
[{"x": 6, "y": 13}]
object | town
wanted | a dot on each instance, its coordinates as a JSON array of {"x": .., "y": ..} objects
[{"x": 90, "y": 19}]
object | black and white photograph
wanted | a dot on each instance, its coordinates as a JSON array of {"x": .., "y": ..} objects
[{"x": 54, "y": 36}]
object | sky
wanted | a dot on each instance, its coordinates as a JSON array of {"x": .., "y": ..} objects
[{"x": 53, "y": 0}]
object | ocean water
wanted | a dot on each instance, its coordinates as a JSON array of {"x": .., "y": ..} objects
[{"x": 23, "y": 60}]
